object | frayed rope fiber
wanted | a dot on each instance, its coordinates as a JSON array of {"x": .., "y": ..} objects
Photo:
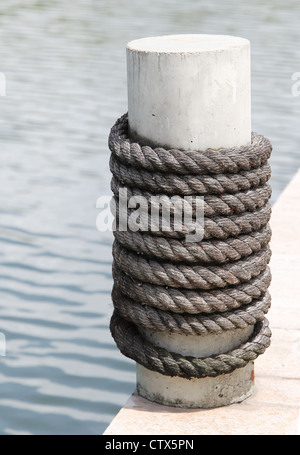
[{"x": 164, "y": 283}]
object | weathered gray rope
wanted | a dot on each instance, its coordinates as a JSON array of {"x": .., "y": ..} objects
[
  {"x": 186, "y": 324},
  {"x": 190, "y": 276},
  {"x": 223, "y": 204},
  {"x": 163, "y": 183},
  {"x": 132, "y": 344},
  {"x": 205, "y": 184},
  {"x": 192, "y": 301},
  {"x": 163, "y": 283},
  {"x": 219, "y": 227},
  {"x": 204, "y": 252},
  {"x": 233, "y": 161}
]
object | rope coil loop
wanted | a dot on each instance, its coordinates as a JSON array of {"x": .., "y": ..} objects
[
  {"x": 192, "y": 301},
  {"x": 132, "y": 344},
  {"x": 233, "y": 161},
  {"x": 164, "y": 283}
]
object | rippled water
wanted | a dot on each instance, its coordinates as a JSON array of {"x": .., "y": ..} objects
[{"x": 64, "y": 63}]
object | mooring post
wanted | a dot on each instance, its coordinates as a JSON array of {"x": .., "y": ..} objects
[{"x": 192, "y": 92}]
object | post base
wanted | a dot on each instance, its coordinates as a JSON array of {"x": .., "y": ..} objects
[{"x": 196, "y": 393}]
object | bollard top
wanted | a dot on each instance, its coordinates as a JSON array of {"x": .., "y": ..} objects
[
  {"x": 187, "y": 43},
  {"x": 189, "y": 91}
]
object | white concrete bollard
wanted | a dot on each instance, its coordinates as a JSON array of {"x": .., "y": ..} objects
[{"x": 192, "y": 92}]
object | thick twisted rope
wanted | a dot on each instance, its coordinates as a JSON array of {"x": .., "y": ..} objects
[
  {"x": 190, "y": 276},
  {"x": 204, "y": 252},
  {"x": 134, "y": 345},
  {"x": 192, "y": 301},
  {"x": 223, "y": 204},
  {"x": 186, "y": 324},
  {"x": 163, "y": 283},
  {"x": 232, "y": 161},
  {"x": 204, "y": 184},
  {"x": 162, "y": 183},
  {"x": 219, "y": 227}
]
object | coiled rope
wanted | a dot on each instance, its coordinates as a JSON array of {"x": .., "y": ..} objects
[{"x": 166, "y": 284}]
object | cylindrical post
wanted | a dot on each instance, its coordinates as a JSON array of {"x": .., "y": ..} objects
[{"x": 192, "y": 92}]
